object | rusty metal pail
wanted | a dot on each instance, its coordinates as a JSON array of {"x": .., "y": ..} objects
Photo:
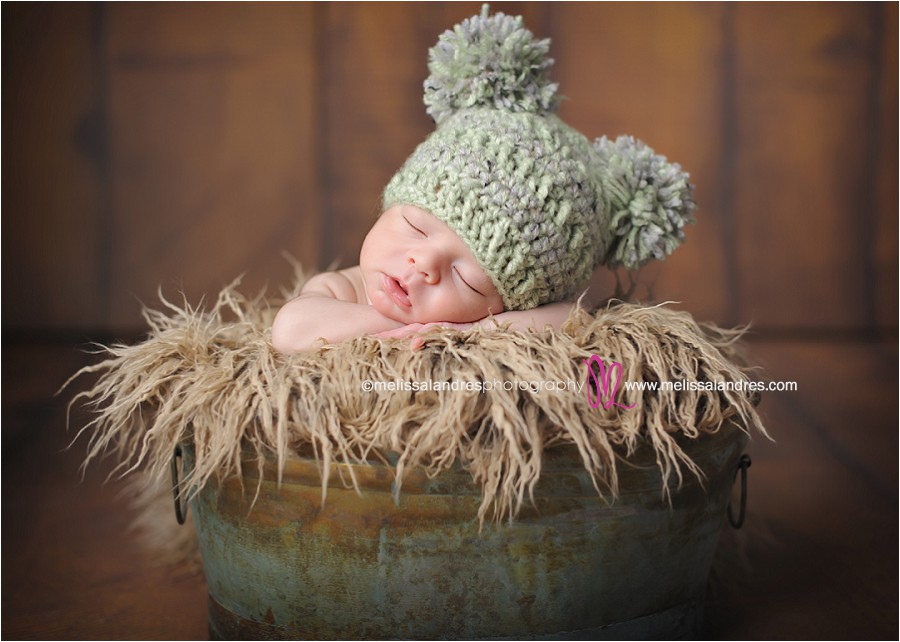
[{"x": 573, "y": 565}]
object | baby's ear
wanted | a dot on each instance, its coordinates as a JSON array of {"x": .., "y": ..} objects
[{"x": 644, "y": 200}]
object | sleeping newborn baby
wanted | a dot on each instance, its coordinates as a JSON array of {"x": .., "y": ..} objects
[
  {"x": 501, "y": 215},
  {"x": 414, "y": 272}
]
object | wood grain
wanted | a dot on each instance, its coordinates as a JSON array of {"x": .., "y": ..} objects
[
  {"x": 215, "y": 147},
  {"x": 802, "y": 114},
  {"x": 653, "y": 71},
  {"x": 54, "y": 264},
  {"x": 73, "y": 568},
  {"x": 883, "y": 267},
  {"x": 373, "y": 64}
]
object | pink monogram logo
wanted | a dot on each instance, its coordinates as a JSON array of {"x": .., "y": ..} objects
[{"x": 600, "y": 382}]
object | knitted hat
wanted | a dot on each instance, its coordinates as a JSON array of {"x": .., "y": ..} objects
[{"x": 538, "y": 204}]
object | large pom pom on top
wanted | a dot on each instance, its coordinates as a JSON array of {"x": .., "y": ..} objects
[
  {"x": 648, "y": 199},
  {"x": 490, "y": 61}
]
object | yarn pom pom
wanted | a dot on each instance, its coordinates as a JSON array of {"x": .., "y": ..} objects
[
  {"x": 649, "y": 201},
  {"x": 490, "y": 61}
]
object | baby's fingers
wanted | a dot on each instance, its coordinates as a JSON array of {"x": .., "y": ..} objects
[{"x": 451, "y": 326}]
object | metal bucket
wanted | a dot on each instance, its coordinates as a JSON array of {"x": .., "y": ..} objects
[{"x": 571, "y": 566}]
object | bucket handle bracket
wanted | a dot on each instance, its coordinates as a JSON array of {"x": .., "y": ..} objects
[
  {"x": 743, "y": 465},
  {"x": 181, "y": 509}
]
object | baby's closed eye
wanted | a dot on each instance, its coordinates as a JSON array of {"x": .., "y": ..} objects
[
  {"x": 413, "y": 226},
  {"x": 467, "y": 283}
]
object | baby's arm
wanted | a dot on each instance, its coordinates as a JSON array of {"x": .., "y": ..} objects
[
  {"x": 552, "y": 314},
  {"x": 327, "y": 309}
]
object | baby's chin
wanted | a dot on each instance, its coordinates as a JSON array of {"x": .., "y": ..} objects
[{"x": 381, "y": 302}]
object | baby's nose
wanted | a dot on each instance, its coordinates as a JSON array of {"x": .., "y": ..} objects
[{"x": 428, "y": 267}]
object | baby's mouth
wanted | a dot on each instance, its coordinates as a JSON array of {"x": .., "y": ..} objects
[{"x": 394, "y": 289}]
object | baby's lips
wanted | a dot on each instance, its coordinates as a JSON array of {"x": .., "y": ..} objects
[{"x": 394, "y": 290}]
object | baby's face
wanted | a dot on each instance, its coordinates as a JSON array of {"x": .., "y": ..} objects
[{"x": 417, "y": 270}]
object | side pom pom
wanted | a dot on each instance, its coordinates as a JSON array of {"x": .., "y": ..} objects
[
  {"x": 491, "y": 61},
  {"x": 648, "y": 200}
]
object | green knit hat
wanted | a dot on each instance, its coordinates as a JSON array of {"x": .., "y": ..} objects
[{"x": 538, "y": 204}]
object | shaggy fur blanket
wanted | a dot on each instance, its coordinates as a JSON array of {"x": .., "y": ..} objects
[{"x": 211, "y": 376}]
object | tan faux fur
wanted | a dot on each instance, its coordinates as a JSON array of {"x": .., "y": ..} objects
[{"x": 213, "y": 377}]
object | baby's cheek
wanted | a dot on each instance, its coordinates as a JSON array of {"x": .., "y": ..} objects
[
  {"x": 433, "y": 306},
  {"x": 467, "y": 311}
]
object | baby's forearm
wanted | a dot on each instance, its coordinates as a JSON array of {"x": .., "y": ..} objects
[
  {"x": 307, "y": 322},
  {"x": 553, "y": 314}
]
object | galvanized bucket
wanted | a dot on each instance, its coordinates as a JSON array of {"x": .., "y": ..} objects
[{"x": 572, "y": 566}]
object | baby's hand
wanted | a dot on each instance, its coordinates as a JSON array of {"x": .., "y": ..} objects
[
  {"x": 419, "y": 328},
  {"x": 416, "y": 330}
]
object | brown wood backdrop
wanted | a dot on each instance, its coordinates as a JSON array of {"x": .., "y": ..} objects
[{"x": 180, "y": 145}]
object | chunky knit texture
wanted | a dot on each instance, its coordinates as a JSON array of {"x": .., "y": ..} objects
[{"x": 538, "y": 204}]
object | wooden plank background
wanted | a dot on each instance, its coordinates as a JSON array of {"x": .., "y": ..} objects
[{"x": 181, "y": 145}]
